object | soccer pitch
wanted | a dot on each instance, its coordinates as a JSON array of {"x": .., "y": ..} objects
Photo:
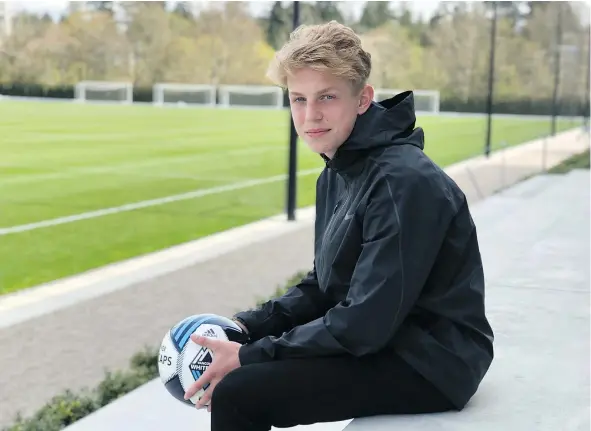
[{"x": 82, "y": 186}]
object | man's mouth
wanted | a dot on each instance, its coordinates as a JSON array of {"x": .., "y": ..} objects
[{"x": 317, "y": 132}]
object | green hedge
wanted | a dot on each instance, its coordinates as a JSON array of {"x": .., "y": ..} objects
[
  {"x": 541, "y": 106},
  {"x": 578, "y": 161},
  {"x": 68, "y": 407},
  {"x": 65, "y": 409}
]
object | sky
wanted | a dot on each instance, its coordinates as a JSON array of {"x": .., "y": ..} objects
[{"x": 56, "y": 7}]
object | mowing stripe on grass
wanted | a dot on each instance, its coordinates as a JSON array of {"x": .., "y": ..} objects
[
  {"x": 121, "y": 167},
  {"x": 149, "y": 203}
]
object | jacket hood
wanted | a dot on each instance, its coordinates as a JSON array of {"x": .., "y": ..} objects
[{"x": 386, "y": 123}]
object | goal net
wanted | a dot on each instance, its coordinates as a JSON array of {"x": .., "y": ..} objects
[
  {"x": 251, "y": 96},
  {"x": 426, "y": 101},
  {"x": 104, "y": 91},
  {"x": 183, "y": 94}
]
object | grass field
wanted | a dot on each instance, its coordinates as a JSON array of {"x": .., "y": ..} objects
[{"x": 60, "y": 160}]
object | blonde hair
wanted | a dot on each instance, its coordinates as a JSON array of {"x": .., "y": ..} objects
[{"x": 329, "y": 47}]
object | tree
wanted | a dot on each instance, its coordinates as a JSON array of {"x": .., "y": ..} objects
[
  {"x": 228, "y": 59},
  {"x": 416, "y": 28},
  {"x": 19, "y": 59},
  {"x": 149, "y": 35},
  {"x": 102, "y": 6},
  {"x": 309, "y": 14},
  {"x": 278, "y": 26},
  {"x": 460, "y": 52},
  {"x": 397, "y": 62},
  {"x": 100, "y": 51},
  {"x": 375, "y": 14},
  {"x": 515, "y": 12},
  {"x": 183, "y": 10},
  {"x": 329, "y": 11}
]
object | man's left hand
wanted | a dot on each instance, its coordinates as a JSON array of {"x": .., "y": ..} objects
[{"x": 225, "y": 359}]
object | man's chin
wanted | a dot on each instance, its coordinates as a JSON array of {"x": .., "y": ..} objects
[{"x": 318, "y": 147}]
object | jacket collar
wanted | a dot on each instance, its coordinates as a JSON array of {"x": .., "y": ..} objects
[{"x": 386, "y": 123}]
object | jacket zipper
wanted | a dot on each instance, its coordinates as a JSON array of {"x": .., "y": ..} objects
[{"x": 332, "y": 222}]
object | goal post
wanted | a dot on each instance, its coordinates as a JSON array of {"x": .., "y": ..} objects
[
  {"x": 104, "y": 91},
  {"x": 251, "y": 96},
  {"x": 426, "y": 101},
  {"x": 183, "y": 94}
]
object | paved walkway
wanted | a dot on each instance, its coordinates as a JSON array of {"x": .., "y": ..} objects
[
  {"x": 64, "y": 334},
  {"x": 479, "y": 177}
]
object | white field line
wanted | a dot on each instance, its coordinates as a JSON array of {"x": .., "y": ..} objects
[
  {"x": 149, "y": 203},
  {"x": 178, "y": 135},
  {"x": 69, "y": 173},
  {"x": 203, "y": 178}
]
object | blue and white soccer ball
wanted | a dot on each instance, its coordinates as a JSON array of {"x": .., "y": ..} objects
[{"x": 182, "y": 361}]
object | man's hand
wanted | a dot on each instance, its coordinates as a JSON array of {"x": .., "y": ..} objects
[{"x": 225, "y": 359}]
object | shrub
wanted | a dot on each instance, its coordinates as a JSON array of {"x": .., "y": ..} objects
[
  {"x": 578, "y": 161},
  {"x": 65, "y": 409},
  {"x": 61, "y": 411}
]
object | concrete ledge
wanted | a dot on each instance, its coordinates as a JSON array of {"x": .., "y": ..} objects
[
  {"x": 539, "y": 379},
  {"x": 152, "y": 409}
]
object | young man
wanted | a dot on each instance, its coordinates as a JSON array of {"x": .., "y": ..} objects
[{"x": 391, "y": 320}]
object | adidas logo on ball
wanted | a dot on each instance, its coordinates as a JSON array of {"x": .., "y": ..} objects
[{"x": 210, "y": 333}]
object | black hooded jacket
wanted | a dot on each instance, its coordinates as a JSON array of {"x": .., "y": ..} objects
[{"x": 397, "y": 264}]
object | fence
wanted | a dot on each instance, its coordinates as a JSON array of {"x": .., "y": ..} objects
[{"x": 486, "y": 58}]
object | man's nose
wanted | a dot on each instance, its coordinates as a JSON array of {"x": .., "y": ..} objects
[{"x": 313, "y": 113}]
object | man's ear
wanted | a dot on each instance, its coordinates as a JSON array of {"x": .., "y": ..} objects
[{"x": 365, "y": 99}]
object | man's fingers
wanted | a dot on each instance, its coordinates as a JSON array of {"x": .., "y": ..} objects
[
  {"x": 199, "y": 383},
  {"x": 207, "y": 376},
  {"x": 207, "y": 342},
  {"x": 206, "y": 398}
]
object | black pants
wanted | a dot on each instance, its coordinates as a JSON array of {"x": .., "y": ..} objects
[{"x": 304, "y": 391}]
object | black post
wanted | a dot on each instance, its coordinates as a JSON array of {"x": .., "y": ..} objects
[
  {"x": 557, "y": 57},
  {"x": 587, "y": 88},
  {"x": 293, "y": 141},
  {"x": 491, "y": 78}
]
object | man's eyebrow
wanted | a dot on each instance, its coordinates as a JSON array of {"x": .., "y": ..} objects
[{"x": 324, "y": 90}]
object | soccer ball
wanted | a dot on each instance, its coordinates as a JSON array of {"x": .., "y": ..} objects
[{"x": 181, "y": 361}]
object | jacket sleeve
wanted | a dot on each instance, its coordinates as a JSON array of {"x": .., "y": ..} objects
[
  {"x": 300, "y": 304},
  {"x": 402, "y": 231}
]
